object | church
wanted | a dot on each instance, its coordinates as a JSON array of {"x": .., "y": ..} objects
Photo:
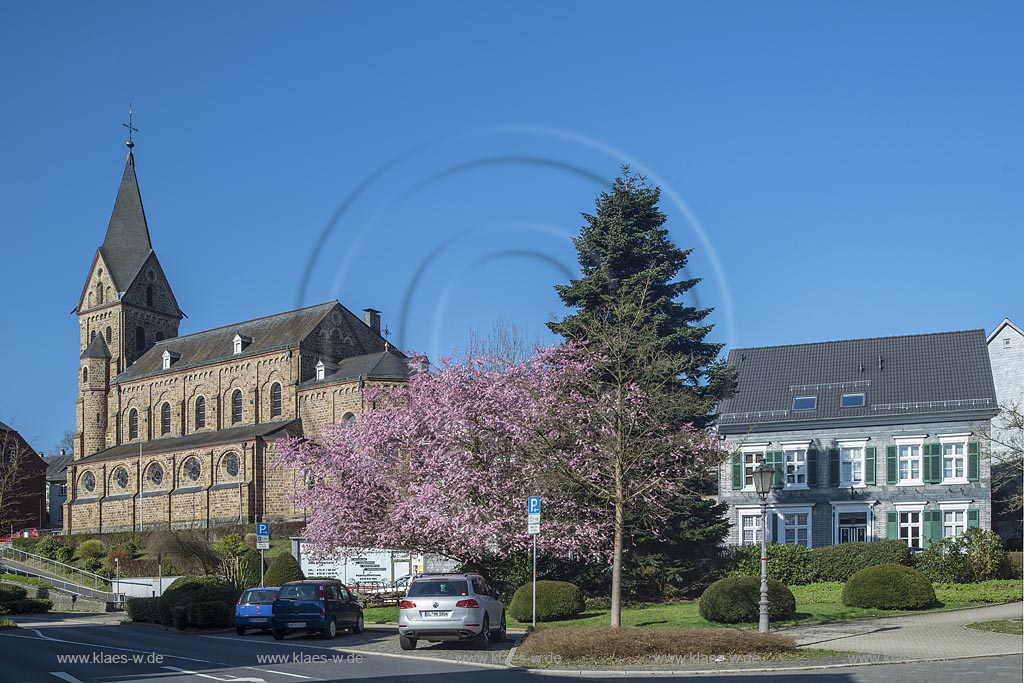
[{"x": 176, "y": 432}]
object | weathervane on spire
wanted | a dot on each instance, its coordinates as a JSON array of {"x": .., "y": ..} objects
[{"x": 130, "y": 127}]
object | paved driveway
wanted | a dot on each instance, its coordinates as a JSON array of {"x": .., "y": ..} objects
[{"x": 936, "y": 635}]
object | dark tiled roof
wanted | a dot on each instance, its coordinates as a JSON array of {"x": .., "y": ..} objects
[
  {"x": 97, "y": 348},
  {"x": 272, "y": 332},
  {"x": 56, "y": 467},
  {"x": 383, "y": 365},
  {"x": 916, "y": 374},
  {"x": 194, "y": 441},
  {"x": 127, "y": 245},
  {"x": 5, "y": 428}
]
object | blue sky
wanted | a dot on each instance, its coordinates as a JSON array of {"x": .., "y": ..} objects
[{"x": 841, "y": 170}]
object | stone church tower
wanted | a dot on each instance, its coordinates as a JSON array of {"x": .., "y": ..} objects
[{"x": 125, "y": 307}]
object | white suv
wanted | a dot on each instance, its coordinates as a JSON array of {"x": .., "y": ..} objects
[{"x": 442, "y": 607}]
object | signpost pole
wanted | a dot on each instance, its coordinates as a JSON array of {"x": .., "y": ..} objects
[
  {"x": 535, "y": 580},
  {"x": 261, "y": 566},
  {"x": 262, "y": 542}
]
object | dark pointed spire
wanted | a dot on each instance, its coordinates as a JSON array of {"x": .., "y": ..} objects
[
  {"x": 127, "y": 246},
  {"x": 97, "y": 348}
]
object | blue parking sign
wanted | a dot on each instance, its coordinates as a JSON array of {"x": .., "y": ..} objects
[
  {"x": 533, "y": 505},
  {"x": 262, "y": 528}
]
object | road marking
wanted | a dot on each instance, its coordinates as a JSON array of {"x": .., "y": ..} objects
[
  {"x": 64, "y": 676},
  {"x": 214, "y": 678},
  {"x": 280, "y": 673}
]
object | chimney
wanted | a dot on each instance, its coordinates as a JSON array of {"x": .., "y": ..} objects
[{"x": 372, "y": 319}]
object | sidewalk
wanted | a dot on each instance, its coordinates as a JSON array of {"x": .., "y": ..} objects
[{"x": 936, "y": 635}]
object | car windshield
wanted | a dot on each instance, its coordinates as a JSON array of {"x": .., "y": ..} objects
[
  {"x": 259, "y": 597},
  {"x": 427, "y": 588},
  {"x": 299, "y": 591}
]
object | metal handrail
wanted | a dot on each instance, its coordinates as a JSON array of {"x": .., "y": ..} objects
[
  {"x": 16, "y": 555},
  {"x": 68, "y": 587}
]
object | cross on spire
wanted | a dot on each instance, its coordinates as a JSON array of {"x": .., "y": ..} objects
[{"x": 130, "y": 127}]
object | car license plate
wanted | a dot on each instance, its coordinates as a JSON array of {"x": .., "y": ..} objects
[
  {"x": 258, "y": 620},
  {"x": 434, "y": 614},
  {"x": 295, "y": 624}
]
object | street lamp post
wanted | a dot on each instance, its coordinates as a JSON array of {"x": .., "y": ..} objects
[{"x": 763, "y": 475}]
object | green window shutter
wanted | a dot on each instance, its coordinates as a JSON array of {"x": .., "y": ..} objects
[
  {"x": 890, "y": 465},
  {"x": 926, "y": 463},
  {"x": 931, "y": 527},
  {"x": 777, "y": 459},
  {"x": 932, "y": 463},
  {"x": 833, "y": 467},
  {"x": 973, "y": 466},
  {"x": 737, "y": 472},
  {"x": 869, "y": 465},
  {"x": 812, "y": 467},
  {"x": 892, "y": 528},
  {"x": 774, "y": 538},
  {"x": 972, "y": 518}
]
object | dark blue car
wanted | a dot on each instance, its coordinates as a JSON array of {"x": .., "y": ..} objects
[
  {"x": 254, "y": 609},
  {"x": 318, "y": 606}
]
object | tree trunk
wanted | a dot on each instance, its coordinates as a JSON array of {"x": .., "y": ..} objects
[{"x": 617, "y": 551}]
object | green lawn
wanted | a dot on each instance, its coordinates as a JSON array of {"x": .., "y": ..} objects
[
  {"x": 1009, "y": 626},
  {"x": 816, "y": 603}
]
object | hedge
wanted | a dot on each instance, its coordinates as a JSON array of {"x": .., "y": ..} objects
[
  {"x": 144, "y": 609},
  {"x": 972, "y": 556},
  {"x": 555, "y": 600},
  {"x": 840, "y": 562},
  {"x": 889, "y": 586},
  {"x": 283, "y": 568},
  {"x": 26, "y": 606},
  {"x": 735, "y": 599},
  {"x": 210, "y": 614},
  {"x": 788, "y": 563}
]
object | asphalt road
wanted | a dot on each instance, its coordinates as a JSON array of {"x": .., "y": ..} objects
[{"x": 94, "y": 649}]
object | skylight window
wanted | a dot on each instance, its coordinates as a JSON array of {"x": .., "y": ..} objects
[
  {"x": 805, "y": 403},
  {"x": 852, "y": 401}
]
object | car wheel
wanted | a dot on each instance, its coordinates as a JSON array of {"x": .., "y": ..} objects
[
  {"x": 240, "y": 630},
  {"x": 406, "y": 643},
  {"x": 500, "y": 634},
  {"x": 358, "y": 628},
  {"x": 483, "y": 639},
  {"x": 331, "y": 630},
  {"x": 278, "y": 634}
]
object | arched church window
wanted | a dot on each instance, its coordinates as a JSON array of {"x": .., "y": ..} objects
[
  {"x": 149, "y": 295},
  {"x": 92, "y": 335},
  {"x": 99, "y": 292},
  {"x": 236, "y": 406},
  {"x": 165, "y": 418},
  {"x": 275, "y": 400},
  {"x": 200, "y": 412},
  {"x": 133, "y": 424},
  {"x": 108, "y": 334},
  {"x": 85, "y": 375},
  {"x": 140, "y": 340},
  {"x": 159, "y": 336}
]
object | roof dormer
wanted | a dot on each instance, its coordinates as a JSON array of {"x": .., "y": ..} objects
[
  {"x": 170, "y": 357},
  {"x": 241, "y": 343},
  {"x": 323, "y": 369}
]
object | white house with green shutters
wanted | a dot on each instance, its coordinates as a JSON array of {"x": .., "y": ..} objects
[{"x": 870, "y": 439}]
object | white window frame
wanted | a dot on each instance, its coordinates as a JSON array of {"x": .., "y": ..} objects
[
  {"x": 743, "y": 513},
  {"x": 756, "y": 451},
  {"x": 845, "y": 506},
  {"x": 955, "y": 507},
  {"x": 783, "y": 527},
  {"x": 954, "y": 439},
  {"x": 787, "y": 448},
  {"x": 910, "y": 508},
  {"x": 902, "y": 442},
  {"x": 852, "y": 445}
]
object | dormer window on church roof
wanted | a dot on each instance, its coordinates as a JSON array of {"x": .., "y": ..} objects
[
  {"x": 241, "y": 342},
  {"x": 169, "y": 358},
  {"x": 323, "y": 369}
]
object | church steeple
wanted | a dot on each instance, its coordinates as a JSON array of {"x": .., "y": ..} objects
[{"x": 127, "y": 244}]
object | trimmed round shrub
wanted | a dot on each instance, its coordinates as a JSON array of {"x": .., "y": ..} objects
[
  {"x": 889, "y": 586},
  {"x": 555, "y": 600},
  {"x": 840, "y": 562},
  {"x": 186, "y": 590},
  {"x": 283, "y": 568},
  {"x": 735, "y": 599},
  {"x": 787, "y": 562},
  {"x": 9, "y": 593}
]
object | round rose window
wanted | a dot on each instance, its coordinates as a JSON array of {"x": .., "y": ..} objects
[
  {"x": 193, "y": 469},
  {"x": 89, "y": 481},
  {"x": 156, "y": 474}
]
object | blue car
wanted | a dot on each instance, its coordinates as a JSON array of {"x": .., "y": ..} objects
[
  {"x": 316, "y": 606},
  {"x": 254, "y": 609}
]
